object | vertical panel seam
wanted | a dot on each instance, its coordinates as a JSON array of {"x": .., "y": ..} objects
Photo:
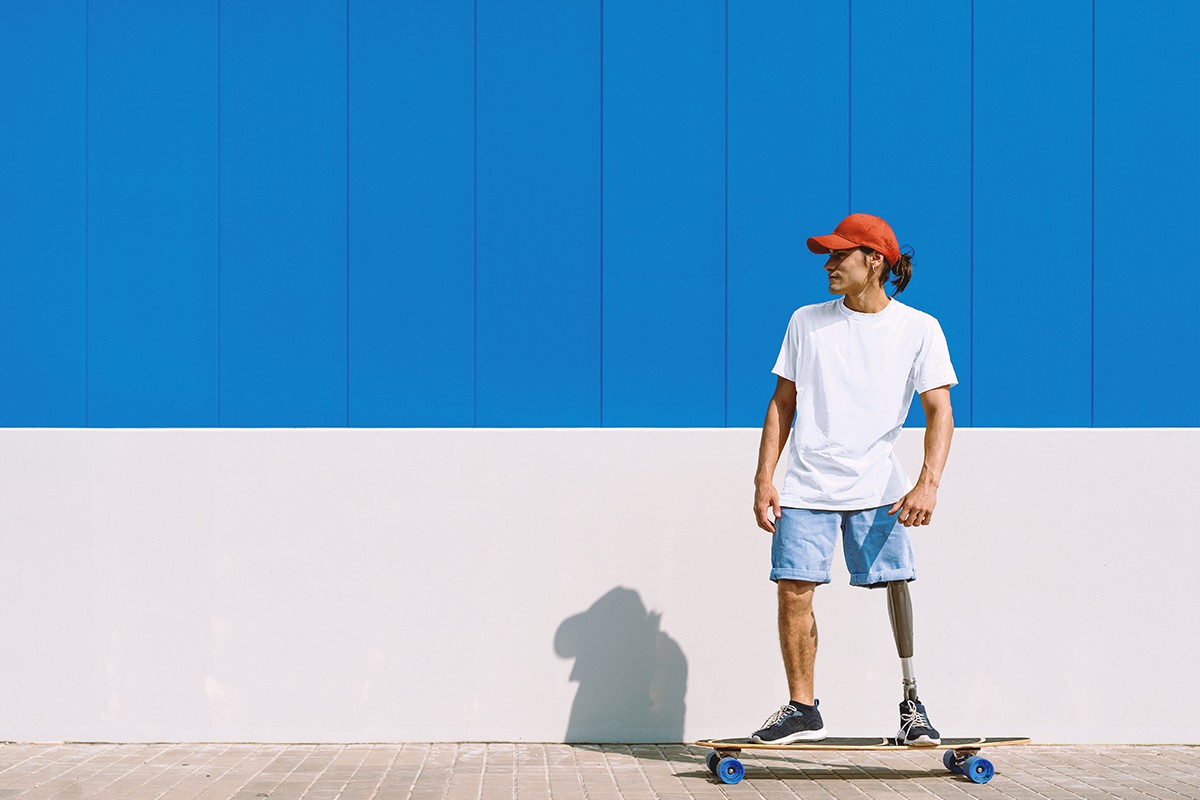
[
  {"x": 726, "y": 380},
  {"x": 850, "y": 107},
  {"x": 1092, "y": 393},
  {"x": 601, "y": 213},
  {"x": 475, "y": 213},
  {"x": 347, "y": 213},
  {"x": 971, "y": 242},
  {"x": 87, "y": 50},
  {"x": 219, "y": 213}
]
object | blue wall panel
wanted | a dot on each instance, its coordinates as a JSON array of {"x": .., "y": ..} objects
[
  {"x": 1033, "y": 268},
  {"x": 412, "y": 314},
  {"x": 910, "y": 138},
  {"x": 787, "y": 177},
  {"x": 579, "y": 213},
  {"x": 152, "y": 213},
  {"x": 283, "y": 213},
  {"x": 538, "y": 257},
  {"x": 1147, "y": 213},
  {"x": 664, "y": 213},
  {"x": 43, "y": 224}
]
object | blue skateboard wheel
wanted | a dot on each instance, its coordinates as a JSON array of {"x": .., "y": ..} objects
[
  {"x": 713, "y": 758},
  {"x": 951, "y": 762},
  {"x": 979, "y": 770},
  {"x": 730, "y": 770}
]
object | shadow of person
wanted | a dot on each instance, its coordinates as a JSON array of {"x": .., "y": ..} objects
[{"x": 632, "y": 676}]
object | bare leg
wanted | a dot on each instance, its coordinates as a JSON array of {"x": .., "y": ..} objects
[
  {"x": 900, "y": 612},
  {"x": 798, "y": 637}
]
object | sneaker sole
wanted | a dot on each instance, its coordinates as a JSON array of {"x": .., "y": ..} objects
[
  {"x": 920, "y": 741},
  {"x": 799, "y": 736}
]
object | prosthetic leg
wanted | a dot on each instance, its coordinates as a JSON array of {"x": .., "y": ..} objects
[
  {"x": 915, "y": 728},
  {"x": 900, "y": 612}
]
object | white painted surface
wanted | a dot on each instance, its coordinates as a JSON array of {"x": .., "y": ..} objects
[{"x": 385, "y": 585}]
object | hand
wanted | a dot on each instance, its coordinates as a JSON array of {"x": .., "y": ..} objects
[
  {"x": 916, "y": 507},
  {"x": 766, "y": 499}
]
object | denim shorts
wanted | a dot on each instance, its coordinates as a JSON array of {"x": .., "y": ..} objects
[{"x": 877, "y": 548}]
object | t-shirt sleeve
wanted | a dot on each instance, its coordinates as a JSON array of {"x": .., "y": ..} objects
[
  {"x": 785, "y": 365},
  {"x": 933, "y": 368}
]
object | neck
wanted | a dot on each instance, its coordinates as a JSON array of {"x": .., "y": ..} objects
[{"x": 868, "y": 300}]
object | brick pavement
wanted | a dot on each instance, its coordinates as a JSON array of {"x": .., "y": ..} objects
[{"x": 579, "y": 772}]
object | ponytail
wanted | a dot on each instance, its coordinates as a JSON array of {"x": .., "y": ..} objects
[{"x": 902, "y": 269}]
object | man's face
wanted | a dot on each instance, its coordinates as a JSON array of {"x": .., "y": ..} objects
[{"x": 848, "y": 271}]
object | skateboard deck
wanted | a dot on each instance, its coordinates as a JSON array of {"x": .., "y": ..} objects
[{"x": 961, "y": 755}]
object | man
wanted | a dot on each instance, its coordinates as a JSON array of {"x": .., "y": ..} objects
[{"x": 847, "y": 372}]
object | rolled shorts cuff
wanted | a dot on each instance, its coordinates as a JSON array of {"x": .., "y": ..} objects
[
  {"x": 882, "y": 576},
  {"x": 813, "y": 576}
]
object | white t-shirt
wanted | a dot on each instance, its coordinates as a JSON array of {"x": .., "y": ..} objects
[{"x": 855, "y": 376}]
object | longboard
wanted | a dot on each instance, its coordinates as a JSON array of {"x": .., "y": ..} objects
[{"x": 962, "y": 757}]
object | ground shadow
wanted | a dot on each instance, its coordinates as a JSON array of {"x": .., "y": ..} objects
[
  {"x": 688, "y": 762},
  {"x": 632, "y": 676}
]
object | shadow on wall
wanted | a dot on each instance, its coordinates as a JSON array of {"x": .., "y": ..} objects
[{"x": 632, "y": 677}]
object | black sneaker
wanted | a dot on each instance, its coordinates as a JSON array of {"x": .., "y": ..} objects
[
  {"x": 791, "y": 724},
  {"x": 915, "y": 728}
]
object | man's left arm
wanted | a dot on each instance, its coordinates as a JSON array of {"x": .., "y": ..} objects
[{"x": 916, "y": 507}]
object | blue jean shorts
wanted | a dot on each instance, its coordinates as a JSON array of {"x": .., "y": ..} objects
[{"x": 877, "y": 549}]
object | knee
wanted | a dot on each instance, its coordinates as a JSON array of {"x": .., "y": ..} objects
[{"x": 796, "y": 595}]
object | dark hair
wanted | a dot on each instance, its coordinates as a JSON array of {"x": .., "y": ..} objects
[{"x": 901, "y": 269}]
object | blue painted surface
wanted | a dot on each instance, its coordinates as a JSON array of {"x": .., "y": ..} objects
[
  {"x": 788, "y": 178},
  {"x": 1147, "y": 212},
  {"x": 911, "y": 156},
  {"x": 538, "y": 214},
  {"x": 43, "y": 215},
  {"x": 1033, "y": 265},
  {"x": 482, "y": 212},
  {"x": 664, "y": 213},
  {"x": 152, "y": 214},
  {"x": 412, "y": 171},
  {"x": 283, "y": 214}
]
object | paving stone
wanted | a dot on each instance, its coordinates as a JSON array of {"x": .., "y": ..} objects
[{"x": 530, "y": 771}]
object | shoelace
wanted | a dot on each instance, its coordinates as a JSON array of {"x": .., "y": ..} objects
[
  {"x": 913, "y": 719},
  {"x": 783, "y": 713}
]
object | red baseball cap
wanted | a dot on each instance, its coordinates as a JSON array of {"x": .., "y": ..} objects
[{"x": 859, "y": 230}]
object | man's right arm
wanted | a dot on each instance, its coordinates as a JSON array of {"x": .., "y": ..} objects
[{"x": 776, "y": 427}]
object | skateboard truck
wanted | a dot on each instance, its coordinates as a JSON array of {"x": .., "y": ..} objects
[{"x": 900, "y": 613}]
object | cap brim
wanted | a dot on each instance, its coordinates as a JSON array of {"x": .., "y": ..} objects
[{"x": 823, "y": 244}]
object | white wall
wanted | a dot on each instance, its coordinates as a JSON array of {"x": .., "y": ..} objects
[{"x": 381, "y": 585}]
